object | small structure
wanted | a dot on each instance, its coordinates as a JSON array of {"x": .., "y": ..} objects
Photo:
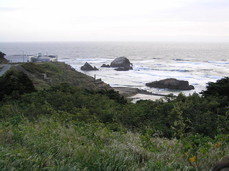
[{"x": 43, "y": 58}]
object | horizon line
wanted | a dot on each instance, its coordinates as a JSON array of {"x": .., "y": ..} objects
[{"x": 110, "y": 41}]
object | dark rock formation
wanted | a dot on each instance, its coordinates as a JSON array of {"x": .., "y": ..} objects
[
  {"x": 171, "y": 83},
  {"x": 122, "y": 63},
  {"x": 122, "y": 69},
  {"x": 106, "y": 66},
  {"x": 88, "y": 67}
]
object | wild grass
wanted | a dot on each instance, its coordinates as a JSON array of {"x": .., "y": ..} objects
[
  {"x": 56, "y": 73},
  {"x": 50, "y": 143},
  {"x": 70, "y": 128}
]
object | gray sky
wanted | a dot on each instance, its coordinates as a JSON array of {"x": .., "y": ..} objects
[{"x": 114, "y": 20}]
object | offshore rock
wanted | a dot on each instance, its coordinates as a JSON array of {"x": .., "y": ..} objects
[
  {"x": 122, "y": 63},
  {"x": 88, "y": 67},
  {"x": 122, "y": 69},
  {"x": 171, "y": 83},
  {"x": 106, "y": 66}
]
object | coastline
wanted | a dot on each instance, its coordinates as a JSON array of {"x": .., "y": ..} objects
[{"x": 136, "y": 94}]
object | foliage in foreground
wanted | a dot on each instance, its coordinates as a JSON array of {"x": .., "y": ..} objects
[
  {"x": 219, "y": 88},
  {"x": 55, "y": 143},
  {"x": 15, "y": 83},
  {"x": 3, "y": 60},
  {"x": 70, "y": 128},
  {"x": 175, "y": 118}
]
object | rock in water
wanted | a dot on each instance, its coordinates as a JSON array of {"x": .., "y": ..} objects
[
  {"x": 106, "y": 66},
  {"x": 122, "y": 69},
  {"x": 171, "y": 83},
  {"x": 88, "y": 67},
  {"x": 123, "y": 63}
]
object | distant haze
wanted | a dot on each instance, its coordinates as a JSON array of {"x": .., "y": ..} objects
[{"x": 114, "y": 20}]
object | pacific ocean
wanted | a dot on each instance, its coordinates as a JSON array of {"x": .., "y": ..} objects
[{"x": 198, "y": 63}]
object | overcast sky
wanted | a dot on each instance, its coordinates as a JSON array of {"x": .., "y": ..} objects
[{"x": 114, "y": 20}]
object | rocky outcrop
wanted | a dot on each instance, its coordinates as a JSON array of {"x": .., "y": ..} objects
[
  {"x": 106, "y": 66},
  {"x": 171, "y": 83},
  {"x": 122, "y": 64},
  {"x": 88, "y": 67}
]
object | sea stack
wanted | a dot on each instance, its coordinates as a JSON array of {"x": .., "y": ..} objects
[
  {"x": 105, "y": 66},
  {"x": 121, "y": 64},
  {"x": 171, "y": 83},
  {"x": 88, "y": 67}
]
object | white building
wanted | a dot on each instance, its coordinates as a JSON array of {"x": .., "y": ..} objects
[{"x": 43, "y": 58}]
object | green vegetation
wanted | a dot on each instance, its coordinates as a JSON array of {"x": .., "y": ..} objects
[
  {"x": 67, "y": 127},
  {"x": 220, "y": 88},
  {"x": 3, "y": 60},
  {"x": 46, "y": 74},
  {"x": 54, "y": 143},
  {"x": 2, "y": 54},
  {"x": 15, "y": 83}
]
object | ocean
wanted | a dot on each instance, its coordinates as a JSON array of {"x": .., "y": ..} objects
[{"x": 198, "y": 63}]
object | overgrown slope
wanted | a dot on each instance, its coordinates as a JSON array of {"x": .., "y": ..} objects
[
  {"x": 48, "y": 74},
  {"x": 70, "y": 127}
]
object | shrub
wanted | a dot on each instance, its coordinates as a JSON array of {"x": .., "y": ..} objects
[
  {"x": 220, "y": 88},
  {"x": 15, "y": 83}
]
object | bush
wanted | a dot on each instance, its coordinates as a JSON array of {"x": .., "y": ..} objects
[
  {"x": 15, "y": 83},
  {"x": 70, "y": 128},
  {"x": 220, "y": 88}
]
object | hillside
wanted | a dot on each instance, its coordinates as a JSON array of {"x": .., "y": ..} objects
[
  {"x": 46, "y": 74},
  {"x": 78, "y": 125}
]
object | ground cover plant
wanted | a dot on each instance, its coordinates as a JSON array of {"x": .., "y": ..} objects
[{"x": 71, "y": 128}]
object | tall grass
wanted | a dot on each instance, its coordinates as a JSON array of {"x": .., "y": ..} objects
[{"x": 53, "y": 144}]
